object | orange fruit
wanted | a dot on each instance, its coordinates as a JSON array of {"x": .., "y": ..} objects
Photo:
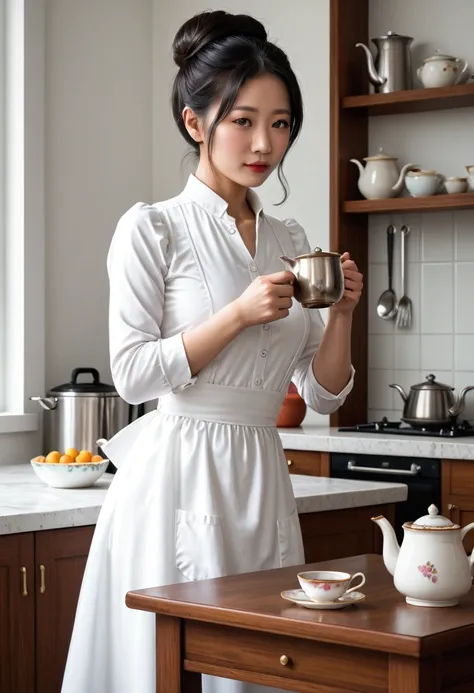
[
  {"x": 72, "y": 452},
  {"x": 84, "y": 456},
  {"x": 40, "y": 458},
  {"x": 66, "y": 459},
  {"x": 53, "y": 457},
  {"x": 97, "y": 458}
]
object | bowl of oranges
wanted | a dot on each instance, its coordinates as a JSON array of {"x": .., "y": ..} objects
[{"x": 71, "y": 469}]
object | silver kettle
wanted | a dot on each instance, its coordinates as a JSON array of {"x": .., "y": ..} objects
[
  {"x": 319, "y": 278},
  {"x": 431, "y": 404},
  {"x": 391, "y": 69},
  {"x": 78, "y": 414}
]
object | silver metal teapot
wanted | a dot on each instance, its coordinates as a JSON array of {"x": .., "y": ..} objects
[
  {"x": 431, "y": 404},
  {"x": 391, "y": 69},
  {"x": 319, "y": 278}
]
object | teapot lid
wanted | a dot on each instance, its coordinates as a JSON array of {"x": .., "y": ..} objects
[
  {"x": 393, "y": 35},
  {"x": 431, "y": 384},
  {"x": 432, "y": 521},
  {"x": 381, "y": 156},
  {"x": 439, "y": 56},
  {"x": 317, "y": 252}
]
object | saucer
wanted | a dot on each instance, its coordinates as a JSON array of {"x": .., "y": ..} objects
[{"x": 300, "y": 598}]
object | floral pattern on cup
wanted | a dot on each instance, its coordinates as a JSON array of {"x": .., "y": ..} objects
[
  {"x": 326, "y": 586},
  {"x": 429, "y": 571}
]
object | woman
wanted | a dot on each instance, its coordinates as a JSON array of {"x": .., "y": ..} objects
[{"x": 202, "y": 317}]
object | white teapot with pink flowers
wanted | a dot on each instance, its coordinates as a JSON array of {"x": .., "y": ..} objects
[{"x": 431, "y": 567}]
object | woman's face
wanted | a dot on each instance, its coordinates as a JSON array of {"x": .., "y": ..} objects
[{"x": 256, "y": 131}]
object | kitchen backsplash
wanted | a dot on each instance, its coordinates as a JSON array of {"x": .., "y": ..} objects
[{"x": 440, "y": 282}]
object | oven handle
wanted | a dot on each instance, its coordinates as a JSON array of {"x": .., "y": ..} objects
[{"x": 414, "y": 470}]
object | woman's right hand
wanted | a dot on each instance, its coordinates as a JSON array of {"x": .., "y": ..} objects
[{"x": 268, "y": 298}]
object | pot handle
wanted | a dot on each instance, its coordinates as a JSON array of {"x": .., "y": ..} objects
[{"x": 91, "y": 371}]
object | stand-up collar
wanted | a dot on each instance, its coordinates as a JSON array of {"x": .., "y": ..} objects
[{"x": 209, "y": 200}]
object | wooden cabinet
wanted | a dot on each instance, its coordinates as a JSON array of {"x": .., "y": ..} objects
[
  {"x": 40, "y": 579},
  {"x": 308, "y": 462},
  {"x": 457, "y": 488},
  {"x": 17, "y": 614}
]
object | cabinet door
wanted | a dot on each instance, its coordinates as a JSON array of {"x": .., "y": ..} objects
[
  {"x": 60, "y": 557},
  {"x": 308, "y": 462},
  {"x": 458, "y": 495},
  {"x": 17, "y": 613}
]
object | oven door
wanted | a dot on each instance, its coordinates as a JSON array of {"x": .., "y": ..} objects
[{"x": 421, "y": 475}]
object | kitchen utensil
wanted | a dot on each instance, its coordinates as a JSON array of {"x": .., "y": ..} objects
[
  {"x": 380, "y": 179},
  {"x": 442, "y": 71},
  {"x": 405, "y": 308},
  {"x": 431, "y": 567},
  {"x": 78, "y": 413},
  {"x": 319, "y": 278},
  {"x": 391, "y": 69},
  {"x": 431, "y": 404},
  {"x": 420, "y": 182},
  {"x": 387, "y": 305}
]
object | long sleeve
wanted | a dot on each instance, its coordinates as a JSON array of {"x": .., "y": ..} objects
[
  {"x": 313, "y": 393},
  {"x": 144, "y": 365}
]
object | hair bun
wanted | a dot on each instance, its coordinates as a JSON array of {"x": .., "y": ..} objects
[{"x": 206, "y": 27}]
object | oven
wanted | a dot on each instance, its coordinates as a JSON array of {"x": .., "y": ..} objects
[{"x": 421, "y": 475}]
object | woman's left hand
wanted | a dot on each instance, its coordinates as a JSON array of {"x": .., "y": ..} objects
[{"x": 353, "y": 285}]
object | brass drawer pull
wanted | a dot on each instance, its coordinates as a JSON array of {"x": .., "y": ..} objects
[
  {"x": 24, "y": 584},
  {"x": 290, "y": 462},
  {"x": 284, "y": 660},
  {"x": 451, "y": 506},
  {"x": 42, "y": 579}
]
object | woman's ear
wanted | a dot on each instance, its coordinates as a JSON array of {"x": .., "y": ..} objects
[{"x": 192, "y": 124}]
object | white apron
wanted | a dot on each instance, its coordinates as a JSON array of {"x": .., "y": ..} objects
[{"x": 202, "y": 488}]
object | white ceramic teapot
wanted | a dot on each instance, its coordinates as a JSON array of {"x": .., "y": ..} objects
[
  {"x": 380, "y": 178},
  {"x": 442, "y": 71},
  {"x": 431, "y": 567}
]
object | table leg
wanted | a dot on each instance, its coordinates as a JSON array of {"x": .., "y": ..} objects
[
  {"x": 170, "y": 677},
  {"x": 411, "y": 675}
]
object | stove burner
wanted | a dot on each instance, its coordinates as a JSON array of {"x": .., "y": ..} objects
[{"x": 456, "y": 430}]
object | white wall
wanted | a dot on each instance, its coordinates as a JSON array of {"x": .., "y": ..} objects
[{"x": 441, "y": 245}]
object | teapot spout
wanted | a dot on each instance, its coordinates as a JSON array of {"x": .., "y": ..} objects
[
  {"x": 288, "y": 262},
  {"x": 374, "y": 76},
  {"x": 457, "y": 408},
  {"x": 390, "y": 544},
  {"x": 400, "y": 389},
  {"x": 397, "y": 188},
  {"x": 359, "y": 166}
]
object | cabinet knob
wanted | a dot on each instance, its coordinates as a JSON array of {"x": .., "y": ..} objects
[
  {"x": 451, "y": 506},
  {"x": 284, "y": 660},
  {"x": 290, "y": 462},
  {"x": 24, "y": 582}
]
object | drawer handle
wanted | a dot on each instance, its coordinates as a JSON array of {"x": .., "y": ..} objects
[
  {"x": 290, "y": 462},
  {"x": 284, "y": 660},
  {"x": 24, "y": 583},
  {"x": 42, "y": 579}
]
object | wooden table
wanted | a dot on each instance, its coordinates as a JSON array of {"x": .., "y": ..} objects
[{"x": 239, "y": 627}]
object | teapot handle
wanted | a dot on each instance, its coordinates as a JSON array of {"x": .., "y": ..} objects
[{"x": 464, "y": 531}]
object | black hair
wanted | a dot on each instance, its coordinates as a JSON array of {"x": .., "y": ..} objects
[{"x": 217, "y": 52}]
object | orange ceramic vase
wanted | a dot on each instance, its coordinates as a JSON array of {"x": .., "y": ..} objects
[{"x": 293, "y": 409}]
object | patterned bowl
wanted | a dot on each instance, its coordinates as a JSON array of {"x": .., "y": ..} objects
[{"x": 76, "y": 475}]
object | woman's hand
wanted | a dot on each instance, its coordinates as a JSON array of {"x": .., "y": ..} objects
[
  {"x": 268, "y": 298},
  {"x": 353, "y": 285}
]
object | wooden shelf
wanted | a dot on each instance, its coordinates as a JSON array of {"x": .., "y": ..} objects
[
  {"x": 413, "y": 100},
  {"x": 431, "y": 203}
]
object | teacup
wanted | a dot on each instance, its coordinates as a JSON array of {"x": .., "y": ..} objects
[
  {"x": 328, "y": 585},
  {"x": 455, "y": 184},
  {"x": 420, "y": 183}
]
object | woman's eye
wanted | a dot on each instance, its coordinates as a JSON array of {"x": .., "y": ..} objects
[
  {"x": 242, "y": 121},
  {"x": 281, "y": 124}
]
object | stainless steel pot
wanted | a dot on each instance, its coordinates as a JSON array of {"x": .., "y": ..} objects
[
  {"x": 319, "y": 278},
  {"x": 78, "y": 414},
  {"x": 431, "y": 404}
]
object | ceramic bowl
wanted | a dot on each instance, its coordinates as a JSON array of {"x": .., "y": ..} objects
[
  {"x": 76, "y": 475},
  {"x": 421, "y": 183},
  {"x": 455, "y": 185}
]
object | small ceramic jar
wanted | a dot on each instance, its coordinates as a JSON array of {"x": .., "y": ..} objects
[
  {"x": 470, "y": 177},
  {"x": 421, "y": 183},
  {"x": 454, "y": 185},
  {"x": 442, "y": 71}
]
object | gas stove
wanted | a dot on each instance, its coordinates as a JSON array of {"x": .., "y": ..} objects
[{"x": 456, "y": 430}]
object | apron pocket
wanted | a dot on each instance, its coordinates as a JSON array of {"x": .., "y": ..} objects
[
  {"x": 290, "y": 541},
  {"x": 199, "y": 546}
]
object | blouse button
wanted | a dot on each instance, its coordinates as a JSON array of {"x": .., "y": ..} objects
[
  {"x": 232, "y": 230},
  {"x": 253, "y": 268},
  {"x": 263, "y": 353},
  {"x": 258, "y": 382},
  {"x": 266, "y": 327}
]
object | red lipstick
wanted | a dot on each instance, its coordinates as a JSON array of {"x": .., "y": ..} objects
[{"x": 257, "y": 167}]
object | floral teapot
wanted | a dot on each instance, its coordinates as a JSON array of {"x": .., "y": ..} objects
[{"x": 431, "y": 567}]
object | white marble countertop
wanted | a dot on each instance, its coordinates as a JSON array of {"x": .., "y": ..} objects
[
  {"x": 325, "y": 439},
  {"x": 28, "y": 505}
]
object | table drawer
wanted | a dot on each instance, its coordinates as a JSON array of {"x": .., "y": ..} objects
[
  {"x": 271, "y": 656},
  {"x": 308, "y": 462}
]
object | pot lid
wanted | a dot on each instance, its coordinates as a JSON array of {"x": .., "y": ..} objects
[
  {"x": 392, "y": 35},
  {"x": 432, "y": 521},
  {"x": 439, "y": 56},
  {"x": 431, "y": 384},
  {"x": 317, "y": 252},
  {"x": 88, "y": 388},
  {"x": 381, "y": 156}
]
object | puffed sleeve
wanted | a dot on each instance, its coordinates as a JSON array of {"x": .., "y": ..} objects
[
  {"x": 313, "y": 393},
  {"x": 144, "y": 365}
]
